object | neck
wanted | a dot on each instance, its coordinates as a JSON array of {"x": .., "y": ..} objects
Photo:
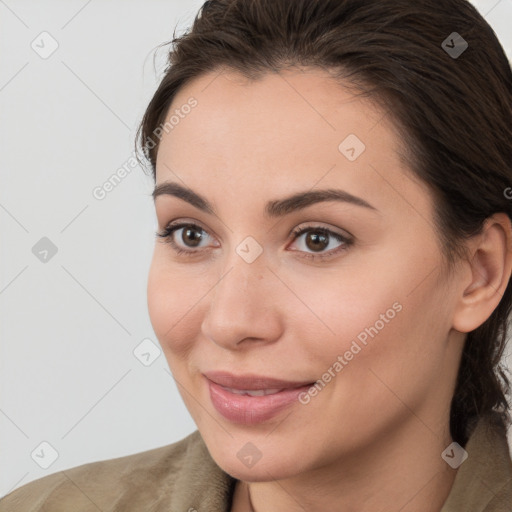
[{"x": 400, "y": 471}]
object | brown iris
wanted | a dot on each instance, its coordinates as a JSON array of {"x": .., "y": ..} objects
[{"x": 317, "y": 240}]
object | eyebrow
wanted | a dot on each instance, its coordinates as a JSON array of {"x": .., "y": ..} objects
[{"x": 276, "y": 208}]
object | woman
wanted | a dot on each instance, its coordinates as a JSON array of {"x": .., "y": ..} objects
[{"x": 330, "y": 279}]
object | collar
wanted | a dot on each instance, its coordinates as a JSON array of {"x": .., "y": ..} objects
[{"x": 483, "y": 481}]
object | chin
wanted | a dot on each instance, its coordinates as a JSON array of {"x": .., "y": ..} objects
[{"x": 271, "y": 466}]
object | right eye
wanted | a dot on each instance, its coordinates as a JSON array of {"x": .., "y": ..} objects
[{"x": 183, "y": 237}]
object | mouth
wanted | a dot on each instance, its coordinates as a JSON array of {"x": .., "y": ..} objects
[
  {"x": 253, "y": 392},
  {"x": 252, "y": 399},
  {"x": 252, "y": 382}
]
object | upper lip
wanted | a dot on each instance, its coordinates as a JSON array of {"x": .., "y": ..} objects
[{"x": 252, "y": 382}]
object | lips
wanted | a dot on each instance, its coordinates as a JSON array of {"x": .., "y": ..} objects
[
  {"x": 253, "y": 392},
  {"x": 252, "y": 382},
  {"x": 252, "y": 399}
]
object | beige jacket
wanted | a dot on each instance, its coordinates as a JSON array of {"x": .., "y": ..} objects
[{"x": 182, "y": 477}]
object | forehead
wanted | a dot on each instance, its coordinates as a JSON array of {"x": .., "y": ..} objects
[
  {"x": 293, "y": 106},
  {"x": 280, "y": 132}
]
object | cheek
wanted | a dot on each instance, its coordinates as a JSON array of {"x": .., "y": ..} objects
[
  {"x": 353, "y": 305},
  {"x": 387, "y": 330},
  {"x": 172, "y": 307},
  {"x": 394, "y": 359}
]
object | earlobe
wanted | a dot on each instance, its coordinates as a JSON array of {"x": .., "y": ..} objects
[{"x": 488, "y": 273}]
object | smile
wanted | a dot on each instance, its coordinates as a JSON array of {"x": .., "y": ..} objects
[{"x": 250, "y": 400}]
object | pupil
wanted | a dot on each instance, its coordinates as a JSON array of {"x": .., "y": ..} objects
[
  {"x": 189, "y": 233},
  {"x": 319, "y": 241}
]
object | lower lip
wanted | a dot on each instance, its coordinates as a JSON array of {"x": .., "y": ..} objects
[{"x": 250, "y": 410}]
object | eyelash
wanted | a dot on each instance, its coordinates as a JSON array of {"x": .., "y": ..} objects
[{"x": 167, "y": 235}]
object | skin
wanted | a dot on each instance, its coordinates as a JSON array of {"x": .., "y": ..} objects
[{"x": 372, "y": 438}]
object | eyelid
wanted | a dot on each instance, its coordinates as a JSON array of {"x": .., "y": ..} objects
[
  {"x": 320, "y": 226},
  {"x": 188, "y": 221}
]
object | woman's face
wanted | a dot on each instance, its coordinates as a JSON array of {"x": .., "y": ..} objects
[{"x": 363, "y": 308}]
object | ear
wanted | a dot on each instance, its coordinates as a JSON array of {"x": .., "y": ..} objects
[{"x": 487, "y": 273}]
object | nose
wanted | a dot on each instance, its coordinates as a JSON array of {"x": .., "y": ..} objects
[{"x": 244, "y": 306}]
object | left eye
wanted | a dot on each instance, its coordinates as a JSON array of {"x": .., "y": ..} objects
[{"x": 318, "y": 239}]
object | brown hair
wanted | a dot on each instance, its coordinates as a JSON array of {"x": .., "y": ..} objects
[{"x": 453, "y": 113}]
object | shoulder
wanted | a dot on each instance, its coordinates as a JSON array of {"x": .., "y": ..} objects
[
  {"x": 484, "y": 480},
  {"x": 496, "y": 470},
  {"x": 141, "y": 481}
]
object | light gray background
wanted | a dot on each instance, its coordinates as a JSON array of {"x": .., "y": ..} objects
[{"x": 69, "y": 326}]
